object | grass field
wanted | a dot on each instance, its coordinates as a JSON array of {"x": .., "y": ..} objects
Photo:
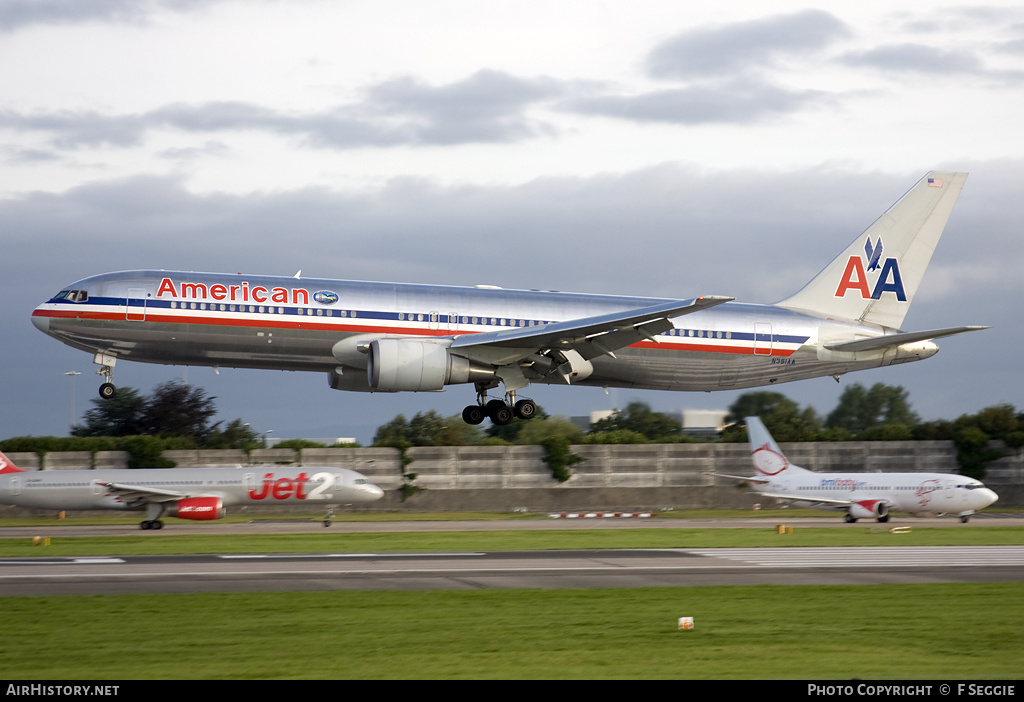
[
  {"x": 925, "y": 631},
  {"x": 954, "y": 631}
]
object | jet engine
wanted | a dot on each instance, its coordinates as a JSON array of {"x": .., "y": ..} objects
[
  {"x": 410, "y": 365},
  {"x": 870, "y": 509},
  {"x": 198, "y": 508}
]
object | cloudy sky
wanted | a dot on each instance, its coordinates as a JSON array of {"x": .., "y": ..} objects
[{"x": 643, "y": 147}]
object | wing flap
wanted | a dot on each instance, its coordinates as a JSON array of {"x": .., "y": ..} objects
[
  {"x": 139, "y": 493},
  {"x": 590, "y": 336}
]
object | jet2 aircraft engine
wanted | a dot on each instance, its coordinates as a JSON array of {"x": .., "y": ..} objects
[
  {"x": 199, "y": 508},
  {"x": 409, "y": 365}
]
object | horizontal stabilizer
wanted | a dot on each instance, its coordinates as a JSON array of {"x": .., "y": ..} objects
[{"x": 881, "y": 342}]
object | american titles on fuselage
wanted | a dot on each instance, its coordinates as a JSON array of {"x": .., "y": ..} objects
[{"x": 259, "y": 294}]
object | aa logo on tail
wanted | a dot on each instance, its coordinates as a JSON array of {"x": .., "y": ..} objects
[{"x": 855, "y": 277}]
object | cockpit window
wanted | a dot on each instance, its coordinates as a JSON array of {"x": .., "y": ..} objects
[{"x": 72, "y": 296}]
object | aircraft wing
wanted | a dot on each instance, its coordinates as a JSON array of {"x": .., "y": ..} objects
[
  {"x": 589, "y": 336},
  {"x": 749, "y": 479},
  {"x": 881, "y": 342},
  {"x": 134, "y": 494},
  {"x": 804, "y": 498}
]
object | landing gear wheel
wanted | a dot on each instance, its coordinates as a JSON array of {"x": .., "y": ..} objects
[
  {"x": 327, "y": 522},
  {"x": 850, "y": 519},
  {"x": 964, "y": 519},
  {"x": 499, "y": 412},
  {"x": 107, "y": 391},
  {"x": 884, "y": 518},
  {"x": 151, "y": 524},
  {"x": 474, "y": 414},
  {"x": 526, "y": 409}
]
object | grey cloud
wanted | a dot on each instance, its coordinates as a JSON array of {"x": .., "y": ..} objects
[
  {"x": 741, "y": 47},
  {"x": 488, "y": 107},
  {"x": 919, "y": 59},
  {"x": 74, "y": 129},
  {"x": 209, "y": 148},
  {"x": 915, "y": 58},
  {"x": 15, "y": 14},
  {"x": 17, "y": 154},
  {"x": 730, "y": 103}
]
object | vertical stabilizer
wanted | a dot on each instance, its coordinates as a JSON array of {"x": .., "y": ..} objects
[
  {"x": 764, "y": 452},
  {"x": 874, "y": 280},
  {"x": 7, "y": 466}
]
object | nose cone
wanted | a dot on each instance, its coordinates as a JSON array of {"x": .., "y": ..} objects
[
  {"x": 986, "y": 497},
  {"x": 365, "y": 491},
  {"x": 40, "y": 322}
]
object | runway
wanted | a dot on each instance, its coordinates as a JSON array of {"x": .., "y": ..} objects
[
  {"x": 533, "y": 569},
  {"x": 299, "y": 526}
]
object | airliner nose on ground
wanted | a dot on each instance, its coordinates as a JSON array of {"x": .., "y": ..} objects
[
  {"x": 365, "y": 491},
  {"x": 984, "y": 497}
]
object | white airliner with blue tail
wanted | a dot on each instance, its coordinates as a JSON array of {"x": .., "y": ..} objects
[
  {"x": 393, "y": 337},
  {"x": 860, "y": 495}
]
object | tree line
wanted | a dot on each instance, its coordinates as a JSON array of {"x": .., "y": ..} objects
[{"x": 180, "y": 416}]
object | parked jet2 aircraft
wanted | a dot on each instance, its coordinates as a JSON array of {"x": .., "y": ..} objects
[
  {"x": 391, "y": 337},
  {"x": 187, "y": 493},
  {"x": 860, "y": 495}
]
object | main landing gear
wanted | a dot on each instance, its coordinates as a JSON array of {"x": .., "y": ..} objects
[
  {"x": 500, "y": 412},
  {"x": 154, "y": 510},
  {"x": 106, "y": 364}
]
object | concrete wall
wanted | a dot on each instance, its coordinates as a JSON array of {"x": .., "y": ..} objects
[{"x": 613, "y": 477}]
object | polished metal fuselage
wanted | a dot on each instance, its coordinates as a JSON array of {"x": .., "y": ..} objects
[{"x": 246, "y": 321}]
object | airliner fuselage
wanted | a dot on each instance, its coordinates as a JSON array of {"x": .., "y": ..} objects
[
  {"x": 290, "y": 324},
  {"x": 392, "y": 337}
]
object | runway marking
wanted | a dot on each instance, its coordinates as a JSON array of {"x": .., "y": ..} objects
[
  {"x": 894, "y": 556},
  {"x": 80, "y": 560},
  {"x": 275, "y": 556}
]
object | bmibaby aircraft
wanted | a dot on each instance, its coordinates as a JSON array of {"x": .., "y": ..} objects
[
  {"x": 860, "y": 495},
  {"x": 187, "y": 493},
  {"x": 391, "y": 337}
]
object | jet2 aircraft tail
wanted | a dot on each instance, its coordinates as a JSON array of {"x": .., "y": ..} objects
[
  {"x": 874, "y": 280},
  {"x": 7, "y": 465}
]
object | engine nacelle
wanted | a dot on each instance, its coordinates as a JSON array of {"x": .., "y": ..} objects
[
  {"x": 418, "y": 366},
  {"x": 869, "y": 509},
  {"x": 199, "y": 508},
  {"x": 348, "y": 379}
]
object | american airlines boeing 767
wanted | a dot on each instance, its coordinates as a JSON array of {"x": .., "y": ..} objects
[{"x": 393, "y": 337}]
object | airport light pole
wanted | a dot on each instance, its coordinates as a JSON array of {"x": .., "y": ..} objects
[{"x": 71, "y": 415}]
